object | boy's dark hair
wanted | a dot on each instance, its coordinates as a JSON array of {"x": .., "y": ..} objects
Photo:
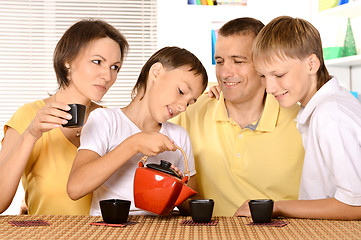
[
  {"x": 171, "y": 58},
  {"x": 76, "y": 38},
  {"x": 287, "y": 37}
]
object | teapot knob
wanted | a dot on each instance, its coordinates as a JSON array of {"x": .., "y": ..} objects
[
  {"x": 165, "y": 167},
  {"x": 165, "y": 164}
]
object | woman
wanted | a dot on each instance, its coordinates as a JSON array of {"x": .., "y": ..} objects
[{"x": 36, "y": 147}]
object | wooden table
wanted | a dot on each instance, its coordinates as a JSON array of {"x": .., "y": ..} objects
[{"x": 150, "y": 227}]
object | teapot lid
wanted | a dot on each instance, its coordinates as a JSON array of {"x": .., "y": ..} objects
[{"x": 164, "y": 166}]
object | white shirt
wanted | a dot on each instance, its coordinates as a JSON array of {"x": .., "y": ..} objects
[
  {"x": 330, "y": 126},
  {"x": 105, "y": 130}
]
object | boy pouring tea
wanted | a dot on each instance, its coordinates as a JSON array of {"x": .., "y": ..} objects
[{"x": 114, "y": 140}]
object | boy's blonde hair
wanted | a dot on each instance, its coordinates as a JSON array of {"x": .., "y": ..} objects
[{"x": 287, "y": 37}]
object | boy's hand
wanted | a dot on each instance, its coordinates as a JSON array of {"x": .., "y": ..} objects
[
  {"x": 243, "y": 211},
  {"x": 177, "y": 170},
  {"x": 214, "y": 92},
  {"x": 153, "y": 143}
]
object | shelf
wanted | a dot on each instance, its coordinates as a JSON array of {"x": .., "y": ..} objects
[
  {"x": 352, "y": 9},
  {"x": 344, "y": 61}
]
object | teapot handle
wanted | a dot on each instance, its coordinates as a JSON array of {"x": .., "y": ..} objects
[{"x": 144, "y": 159}]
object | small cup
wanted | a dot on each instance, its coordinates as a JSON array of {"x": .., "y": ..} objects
[
  {"x": 201, "y": 210},
  {"x": 77, "y": 112},
  {"x": 115, "y": 210},
  {"x": 261, "y": 210}
]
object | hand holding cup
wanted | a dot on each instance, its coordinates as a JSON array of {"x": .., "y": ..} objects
[{"x": 77, "y": 111}]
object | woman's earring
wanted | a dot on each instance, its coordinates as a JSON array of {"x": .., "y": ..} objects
[{"x": 68, "y": 70}]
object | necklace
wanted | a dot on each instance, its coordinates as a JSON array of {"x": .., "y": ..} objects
[{"x": 77, "y": 133}]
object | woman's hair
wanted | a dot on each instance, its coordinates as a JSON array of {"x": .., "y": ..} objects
[
  {"x": 171, "y": 58},
  {"x": 287, "y": 37},
  {"x": 77, "y": 37},
  {"x": 243, "y": 25}
]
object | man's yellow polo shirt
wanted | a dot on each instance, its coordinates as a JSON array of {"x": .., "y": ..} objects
[{"x": 235, "y": 164}]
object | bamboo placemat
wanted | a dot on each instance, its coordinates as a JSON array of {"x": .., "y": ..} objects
[{"x": 151, "y": 227}]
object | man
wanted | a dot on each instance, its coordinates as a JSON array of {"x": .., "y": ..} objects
[{"x": 245, "y": 145}]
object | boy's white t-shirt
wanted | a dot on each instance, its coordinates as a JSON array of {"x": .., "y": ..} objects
[
  {"x": 330, "y": 126},
  {"x": 105, "y": 130}
]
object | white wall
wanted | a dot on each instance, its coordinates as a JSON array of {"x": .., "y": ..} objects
[
  {"x": 14, "y": 208},
  {"x": 190, "y": 26},
  {"x": 356, "y": 80}
]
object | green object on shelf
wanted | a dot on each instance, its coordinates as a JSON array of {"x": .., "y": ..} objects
[
  {"x": 332, "y": 52},
  {"x": 349, "y": 47},
  {"x": 326, "y": 4}
]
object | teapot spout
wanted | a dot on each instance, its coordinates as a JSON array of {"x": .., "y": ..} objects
[{"x": 185, "y": 193}]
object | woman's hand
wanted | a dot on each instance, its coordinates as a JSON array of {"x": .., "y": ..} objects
[
  {"x": 243, "y": 211},
  {"x": 214, "y": 91},
  {"x": 51, "y": 116}
]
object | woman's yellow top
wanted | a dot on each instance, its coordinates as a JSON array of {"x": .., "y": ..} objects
[{"x": 46, "y": 174}]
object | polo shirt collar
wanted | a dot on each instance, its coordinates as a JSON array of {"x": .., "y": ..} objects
[
  {"x": 329, "y": 88},
  {"x": 270, "y": 114},
  {"x": 268, "y": 120}
]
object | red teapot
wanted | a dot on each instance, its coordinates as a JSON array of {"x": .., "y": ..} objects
[{"x": 158, "y": 189}]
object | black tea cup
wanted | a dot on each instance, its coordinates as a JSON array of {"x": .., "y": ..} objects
[
  {"x": 261, "y": 210},
  {"x": 201, "y": 210},
  {"x": 77, "y": 111},
  {"x": 115, "y": 210}
]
